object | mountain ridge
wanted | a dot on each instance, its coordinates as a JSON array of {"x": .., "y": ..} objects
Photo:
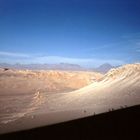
[{"x": 104, "y": 68}]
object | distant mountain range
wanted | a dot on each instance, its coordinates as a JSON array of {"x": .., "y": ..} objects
[
  {"x": 61, "y": 66},
  {"x": 104, "y": 68}
]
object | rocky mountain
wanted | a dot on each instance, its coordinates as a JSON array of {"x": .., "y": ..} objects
[
  {"x": 104, "y": 68},
  {"x": 60, "y": 66}
]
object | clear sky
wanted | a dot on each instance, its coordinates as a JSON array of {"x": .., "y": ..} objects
[{"x": 85, "y": 32}]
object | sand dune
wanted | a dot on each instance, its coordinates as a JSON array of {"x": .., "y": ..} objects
[{"x": 120, "y": 87}]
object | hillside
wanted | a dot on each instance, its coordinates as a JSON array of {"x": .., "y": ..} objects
[
  {"x": 117, "y": 89},
  {"x": 120, "y": 86},
  {"x": 28, "y": 81}
]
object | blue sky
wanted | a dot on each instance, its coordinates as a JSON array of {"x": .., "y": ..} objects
[{"x": 85, "y": 32}]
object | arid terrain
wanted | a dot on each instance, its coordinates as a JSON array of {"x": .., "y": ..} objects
[
  {"x": 26, "y": 96},
  {"x": 51, "y": 81}
]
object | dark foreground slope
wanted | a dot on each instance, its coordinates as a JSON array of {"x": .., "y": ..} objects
[{"x": 119, "y": 124}]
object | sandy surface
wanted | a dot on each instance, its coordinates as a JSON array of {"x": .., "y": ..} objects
[{"x": 119, "y": 87}]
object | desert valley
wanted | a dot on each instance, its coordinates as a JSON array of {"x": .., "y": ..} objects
[{"x": 42, "y": 97}]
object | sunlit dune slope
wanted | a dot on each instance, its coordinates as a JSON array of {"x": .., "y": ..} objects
[
  {"x": 27, "y": 81},
  {"x": 119, "y": 87}
]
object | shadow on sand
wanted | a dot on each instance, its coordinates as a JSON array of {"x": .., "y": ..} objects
[{"x": 116, "y": 124}]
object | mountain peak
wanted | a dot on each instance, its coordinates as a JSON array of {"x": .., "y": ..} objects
[{"x": 104, "y": 68}]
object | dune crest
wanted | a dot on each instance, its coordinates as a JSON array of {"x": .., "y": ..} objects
[{"x": 125, "y": 71}]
